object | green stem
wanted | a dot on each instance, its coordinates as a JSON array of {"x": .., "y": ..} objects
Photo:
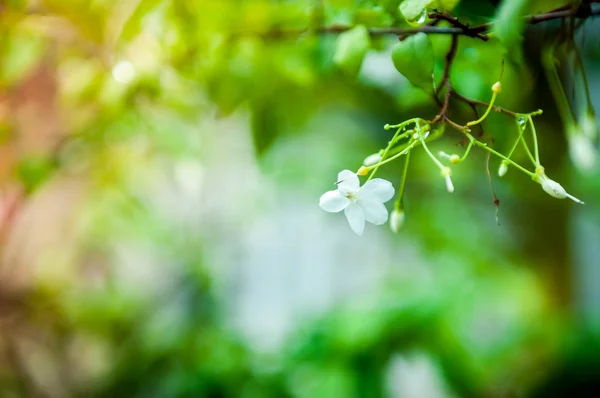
[
  {"x": 467, "y": 151},
  {"x": 487, "y": 111},
  {"x": 487, "y": 148},
  {"x": 396, "y": 156},
  {"x": 583, "y": 77},
  {"x": 440, "y": 165},
  {"x": 557, "y": 88},
  {"x": 535, "y": 143},
  {"x": 385, "y": 152},
  {"x": 522, "y": 139},
  {"x": 391, "y": 143},
  {"x": 404, "y": 173}
]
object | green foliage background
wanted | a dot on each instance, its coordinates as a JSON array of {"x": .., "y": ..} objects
[{"x": 158, "y": 157}]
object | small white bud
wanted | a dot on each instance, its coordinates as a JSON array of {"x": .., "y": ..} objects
[
  {"x": 556, "y": 190},
  {"x": 372, "y": 159},
  {"x": 503, "y": 168},
  {"x": 497, "y": 87},
  {"x": 397, "y": 220},
  {"x": 446, "y": 174}
]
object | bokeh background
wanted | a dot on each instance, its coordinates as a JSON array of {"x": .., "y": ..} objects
[{"x": 160, "y": 170}]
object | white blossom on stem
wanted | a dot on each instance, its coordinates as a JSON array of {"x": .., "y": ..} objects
[{"x": 360, "y": 204}]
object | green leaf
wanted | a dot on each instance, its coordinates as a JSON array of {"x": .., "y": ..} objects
[
  {"x": 351, "y": 48},
  {"x": 416, "y": 10},
  {"x": 33, "y": 171},
  {"x": 134, "y": 24},
  {"x": 413, "y": 58},
  {"x": 509, "y": 26}
]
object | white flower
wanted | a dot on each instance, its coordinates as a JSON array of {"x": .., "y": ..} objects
[
  {"x": 360, "y": 204},
  {"x": 553, "y": 188},
  {"x": 397, "y": 220}
]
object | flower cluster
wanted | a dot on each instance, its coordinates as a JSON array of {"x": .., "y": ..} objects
[{"x": 366, "y": 203}]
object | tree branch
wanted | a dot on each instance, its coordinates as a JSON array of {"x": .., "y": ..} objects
[{"x": 458, "y": 28}]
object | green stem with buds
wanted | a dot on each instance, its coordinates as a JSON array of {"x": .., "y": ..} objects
[{"x": 487, "y": 148}]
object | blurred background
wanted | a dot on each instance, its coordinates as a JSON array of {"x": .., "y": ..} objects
[{"x": 160, "y": 170}]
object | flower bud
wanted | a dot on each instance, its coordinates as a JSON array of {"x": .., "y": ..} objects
[
  {"x": 446, "y": 174},
  {"x": 387, "y": 127},
  {"x": 503, "y": 168},
  {"x": 554, "y": 189},
  {"x": 372, "y": 159},
  {"x": 497, "y": 87},
  {"x": 454, "y": 159},
  {"x": 363, "y": 171},
  {"x": 397, "y": 220}
]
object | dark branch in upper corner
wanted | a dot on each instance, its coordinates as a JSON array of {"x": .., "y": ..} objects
[{"x": 457, "y": 28}]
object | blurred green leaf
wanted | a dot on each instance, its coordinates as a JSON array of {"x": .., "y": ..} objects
[
  {"x": 33, "y": 171},
  {"x": 351, "y": 48},
  {"x": 509, "y": 26},
  {"x": 133, "y": 24},
  {"x": 21, "y": 52},
  {"x": 413, "y": 58}
]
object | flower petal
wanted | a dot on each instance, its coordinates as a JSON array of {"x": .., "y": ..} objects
[
  {"x": 377, "y": 189},
  {"x": 333, "y": 201},
  {"x": 347, "y": 182},
  {"x": 375, "y": 212},
  {"x": 356, "y": 218}
]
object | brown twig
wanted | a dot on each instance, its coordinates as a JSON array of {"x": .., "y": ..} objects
[
  {"x": 467, "y": 31},
  {"x": 446, "y": 80},
  {"x": 578, "y": 12},
  {"x": 474, "y": 102},
  {"x": 458, "y": 28}
]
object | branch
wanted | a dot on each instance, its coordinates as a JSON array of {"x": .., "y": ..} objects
[
  {"x": 474, "y": 102},
  {"x": 446, "y": 80},
  {"x": 458, "y": 28},
  {"x": 466, "y": 29}
]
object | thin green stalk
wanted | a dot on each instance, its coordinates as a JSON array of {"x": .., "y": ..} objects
[
  {"x": 467, "y": 151},
  {"x": 522, "y": 139},
  {"x": 535, "y": 143},
  {"x": 391, "y": 143},
  {"x": 583, "y": 76},
  {"x": 440, "y": 165},
  {"x": 385, "y": 152},
  {"x": 487, "y": 148},
  {"x": 560, "y": 96},
  {"x": 487, "y": 111},
  {"x": 404, "y": 173},
  {"x": 396, "y": 156}
]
